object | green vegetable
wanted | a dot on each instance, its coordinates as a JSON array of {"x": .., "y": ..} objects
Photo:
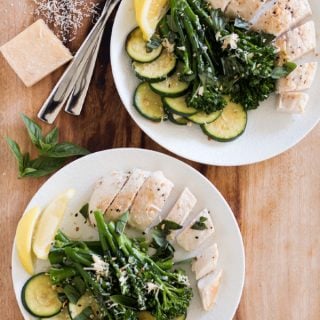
[
  {"x": 85, "y": 211},
  {"x": 200, "y": 224},
  {"x": 122, "y": 279},
  {"x": 221, "y": 56},
  {"x": 52, "y": 155}
]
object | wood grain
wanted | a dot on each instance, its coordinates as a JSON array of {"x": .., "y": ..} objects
[{"x": 276, "y": 203}]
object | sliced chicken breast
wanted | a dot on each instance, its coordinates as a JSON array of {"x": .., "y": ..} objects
[
  {"x": 246, "y": 9},
  {"x": 105, "y": 191},
  {"x": 208, "y": 288},
  {"x": 293, "y": 102},
  {"x": 181, "y": 209},
  {"x": 150, "y": 200},
  {"x": 206, "y": 262},
  {"x": 219, "y": 4},
  {"x": 282, "y": 16},
  {"x": 297, "y": 42},
  {"x": 191, "y": 237},
  {"x": 299, "y": 79},
  {"x": 125, "y": 197}
]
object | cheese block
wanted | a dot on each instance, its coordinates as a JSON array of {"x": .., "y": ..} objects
[{"x": 35, "y": 53}]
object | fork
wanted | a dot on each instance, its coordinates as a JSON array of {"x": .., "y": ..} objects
[
  {"x": 77, "y": 97},
  {"x": 85, "y": 57}
]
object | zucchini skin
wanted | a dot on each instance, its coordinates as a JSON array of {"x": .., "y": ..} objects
[
  {"x": 181, "y": 122},
  {"x": 204, "y": 120},
  {"x": 156, "y": 79},
  {"x": 24, "y": 302},
  {"x": 238, "y": 132},
  {"x": 161, "y": 75},
  {"x": 169, "y": 95},
  {"x": 174, "y": 110},
  {"x": 219, "y": 139}
]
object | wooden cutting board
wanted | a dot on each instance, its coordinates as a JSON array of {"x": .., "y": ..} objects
[{"x": 276, "y": 203}]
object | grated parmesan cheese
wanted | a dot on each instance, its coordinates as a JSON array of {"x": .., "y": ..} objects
[
  {"x": 230, "y": 40},
  {"x": 66, "y": 16}
]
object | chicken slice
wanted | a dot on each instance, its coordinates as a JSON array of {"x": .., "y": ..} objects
[
  {"x": 246, "y": 9},
  {"x": 219, "y": 4},
  {"x": 206, "y": 262},
  {"x": 150, "y": 200},
  {"x": 299, "y": 79},
  {"x": 297, "y": 42},
  {"x": 181, "y": 209},
  {"x": 208, "y": 288},
  {"x": 282, "y": 16},
  {"x": 191, "y": 237},
  {"x": 105, "y": 191},
  {"x": 125, "y": 197},
  {"x": 293, "y": 102}
]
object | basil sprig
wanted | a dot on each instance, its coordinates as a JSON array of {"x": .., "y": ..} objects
[{"x": 52, "y": 155}]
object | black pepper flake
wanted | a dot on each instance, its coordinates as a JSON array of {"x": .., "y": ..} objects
[
  {"x": 76, "y": 215},
  {"x": 77, "y": 229},
  {"x": 196, "y": 237}
]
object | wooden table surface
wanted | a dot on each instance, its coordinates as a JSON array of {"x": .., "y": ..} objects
[{"x": 276, "y": 202}]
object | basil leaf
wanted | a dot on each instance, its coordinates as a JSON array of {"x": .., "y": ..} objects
[
  {"x": 171, "y": 225},
  {"x": 200, "y": 224},
  {"x": 241, "y": 24},
  {"x": 85, "y": 211},
  {"x": 80, "y": 285},
  {"x": 125, "y": 301},
  {"x": 122, "y": 222},
  {"x": 42, "y": 166},
  {"x": 159, "y": 238},
  {"x": 15, "y": 149},
  {"x": 153, "y": 43},
  {"x": 65, "y": 149},
  {"x": 52, "y": 137},
  {"x": 283, "y": 71},
  {"x": 34, "y": 130}
]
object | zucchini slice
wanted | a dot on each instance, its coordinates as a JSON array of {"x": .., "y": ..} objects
[
  {"x": 230, "y": 125},
  {"x": 179, "y": 106},
  {"x": 156, "y": 70},
  {"x": 148, "y": 103},
  {"x": 39, "y": 298},
  {"x": 85, "y": 307},
  {"x": 137, "y": 49},
  {"x": 203, "y": 118},
  {"x": 63, "y": 315},
  {"x": 177, "y": 119},
  {"x": 170, "y": 87}
]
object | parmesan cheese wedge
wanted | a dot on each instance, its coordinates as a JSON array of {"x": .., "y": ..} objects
[{"x": 35, "y": 53}]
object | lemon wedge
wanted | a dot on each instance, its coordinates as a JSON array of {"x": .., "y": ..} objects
[
  {"x": 48, "y": 224},
  {"x": 24, "y": 234},
  {"x": 148, "y": 15}
]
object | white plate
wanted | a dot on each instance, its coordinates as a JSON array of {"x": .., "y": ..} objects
[
  {"x": 268, "y": 132},
  {"x": 83, "y": 173}
]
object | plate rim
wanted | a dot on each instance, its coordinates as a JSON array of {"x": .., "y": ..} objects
[
  {"x": 186, "y": 166},
  {"x": 150, "y": 133}
]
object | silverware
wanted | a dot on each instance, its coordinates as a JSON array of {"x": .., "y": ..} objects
[
  {"x": 77, "y": 97},
  {"x": 65, "y": 85}
]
